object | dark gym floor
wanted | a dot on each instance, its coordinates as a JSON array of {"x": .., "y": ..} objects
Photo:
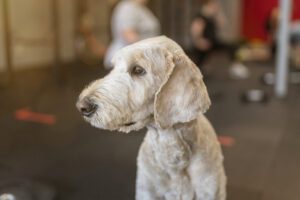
[{"x": 83, "y": 163}]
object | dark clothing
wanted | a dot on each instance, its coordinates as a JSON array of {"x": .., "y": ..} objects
[
  {"x": 210, "y": 34},
  {"x": 199, "y": 56},
  {"x": 271, "y": 28},
  {"x": 210, "y": 29}
]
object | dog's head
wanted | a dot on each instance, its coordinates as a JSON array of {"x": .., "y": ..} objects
[{"x": 152, "y": 80}]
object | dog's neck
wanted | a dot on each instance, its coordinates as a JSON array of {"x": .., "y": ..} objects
[
  {"x": 153, "y": 125},
  {"x": 172, "y": 147}
]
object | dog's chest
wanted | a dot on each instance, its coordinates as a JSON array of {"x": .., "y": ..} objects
[
  {"x": 169, "y": 149},
  {"x": 169, "y": 155}
]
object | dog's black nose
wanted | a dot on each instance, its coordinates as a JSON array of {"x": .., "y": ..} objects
[{"x": 86, "y": 107}]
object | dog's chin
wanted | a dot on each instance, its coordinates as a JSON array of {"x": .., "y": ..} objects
[
  {"x": 135, "y": 126},
  {"x": 126, "y": 128},
  {"x": 93, "y": 122}
]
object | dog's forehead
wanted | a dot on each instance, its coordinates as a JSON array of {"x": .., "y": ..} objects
[
  {"x": 139, "y": 51},
  {"x": 128, "y": 55},
  {"x": 133, "y": 53}
]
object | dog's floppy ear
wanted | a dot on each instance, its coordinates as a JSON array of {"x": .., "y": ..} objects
[{"x": 183, "y": 94}]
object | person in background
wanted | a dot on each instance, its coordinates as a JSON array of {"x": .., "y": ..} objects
[
  {"x": 131, "y": 21},
  {"x": 295, "y": 43},
  {"x": 271, "y": 28},
  {"x": 205, "y": 30},
  {"x": 88, "y": 48}
]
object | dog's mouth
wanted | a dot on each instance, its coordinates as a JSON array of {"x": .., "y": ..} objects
[
  {"x": 134, "y": 126},
  {"x": 130, "y": 124}
]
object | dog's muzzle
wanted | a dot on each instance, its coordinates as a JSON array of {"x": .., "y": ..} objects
[{"x": 86, "y": 107}]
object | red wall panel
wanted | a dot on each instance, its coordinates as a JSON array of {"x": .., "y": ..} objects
[{"x": 255, "y": 13}]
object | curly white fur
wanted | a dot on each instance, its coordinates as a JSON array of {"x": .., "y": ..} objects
[{"x": 180, "y": 158}]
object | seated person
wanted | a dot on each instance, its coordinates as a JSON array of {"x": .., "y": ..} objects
[
  {"x": 271, "y": 27},
  {"x": 204, "y": 31}
]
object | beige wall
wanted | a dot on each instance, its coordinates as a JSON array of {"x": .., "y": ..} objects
[
  {"x": 99, "y": 10},
  {"x": 2, "y": 48},
  {"x": 232, "y": 11},
  {"x": 67, "y": 16},
  {"x": 32, "y": 33}
]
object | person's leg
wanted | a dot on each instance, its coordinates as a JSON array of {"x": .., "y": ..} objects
[
  {"x": 295, "y": 43},
  {"x": 197, "y": 56},
  {"x": 229, "y": 48}
]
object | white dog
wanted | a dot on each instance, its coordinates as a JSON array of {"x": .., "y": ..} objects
[{"x": 155, "y": 84}]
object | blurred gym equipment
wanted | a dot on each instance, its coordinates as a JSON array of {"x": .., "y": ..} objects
[
  {"x": 25, "y": 190},
  {"x": 254, "y": 96}
]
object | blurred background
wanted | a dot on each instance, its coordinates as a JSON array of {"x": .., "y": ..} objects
[{"x": 248, "y": 51}]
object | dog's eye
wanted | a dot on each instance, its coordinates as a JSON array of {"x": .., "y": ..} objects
[{"x": 138, "y": 70}]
